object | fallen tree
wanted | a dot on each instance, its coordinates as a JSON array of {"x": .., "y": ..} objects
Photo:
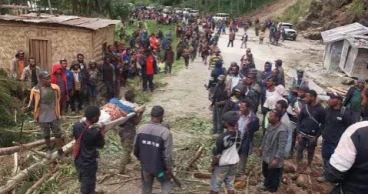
[
  {"x": 24, "y": 174},
  {"x": 12, "y": 150}
]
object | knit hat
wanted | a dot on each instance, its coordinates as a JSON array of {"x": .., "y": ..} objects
[
  {"x": 334, "y": 95},
  {"x": 361, "y": 80}
]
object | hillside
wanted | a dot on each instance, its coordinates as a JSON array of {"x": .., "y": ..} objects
[{"x": 314, "y": 16}]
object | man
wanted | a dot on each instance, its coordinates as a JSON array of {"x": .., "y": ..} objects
[
  {"x": 353, "y": 99},
  {"x": 58, "y": 77},
  {"x": 223, "y": 168},
  {"x": 108, "y": 73},
  {"x": 253, "y": 91},
  {"x": 214, "y": 58},
  {"x": 234, "y": 78},
  {"x": 244, "y": 40},
  {"x": 310, "y": 122},
  {"x": 280, "y": 72},
  {"x": 79, "y": 86},
  {"x": 90, "y": 139},
  {"x": 264, "y": 76},
  {"x": 45, "y": 99},
  {"x": 30, "y": 74},
  {"x": 293, "y": 110},
  {"x": 127, "y": 132},
  {"x": 160, "y": 34},
  {"x": 153, "y": 148},
  {"x": 69, "y": 80},
  {"x": 149, "y": 68},
  {"x": 337, "y": 120},
  {"x": 348, "y": 163},
  {"x": 126, "y": 61},
  {"x": 17, "y": 65},
  {"x": 168, "y": 59},
  {"x": 282, "y": 106},
  {"x": 245, "y": 69},
  {"x": 232, "y": 104},
  {"x": 186, "y": 55},
  {"x": 298, "y": 81},
  {"x": 231, "y": 39},
  {"x": 215, "y": 73},
  {"x": 93, "y": 79},
  {"x": 273, "y": 152},
  {"x": 248, "y": 124},
  {"x": 219, "y": 99},
  {"x": 80, "y": 61}
]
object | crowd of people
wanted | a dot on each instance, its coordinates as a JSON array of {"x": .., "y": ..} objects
[{"x": 242, "y": 99}]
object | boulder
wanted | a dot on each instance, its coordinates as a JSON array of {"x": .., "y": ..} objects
[
  {"x": 302, "y": 181},
  {"x": 289, "y": 167},
  {"x": 313, "y": 35},
  {"x": 347, "y": 81}
]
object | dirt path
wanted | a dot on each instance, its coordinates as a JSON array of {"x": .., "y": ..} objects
[{"x": 185, "y": 94}]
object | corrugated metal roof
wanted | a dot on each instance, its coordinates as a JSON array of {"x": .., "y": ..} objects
[
  {"x": 67, "y": 20},
  {"x": 339, "y": 33}
]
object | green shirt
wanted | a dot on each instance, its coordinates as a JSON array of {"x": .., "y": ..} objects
[{"x": 355, "y": 101}]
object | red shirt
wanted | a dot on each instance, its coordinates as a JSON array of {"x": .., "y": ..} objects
[{"x": 149, "y": 65}]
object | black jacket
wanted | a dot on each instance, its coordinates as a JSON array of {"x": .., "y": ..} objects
[
  {"x": 308, "y": 125},
  {"x": 92, "y": 140}
]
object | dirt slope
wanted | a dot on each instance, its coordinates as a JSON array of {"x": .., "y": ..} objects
[{"x": 273, "y": 10}]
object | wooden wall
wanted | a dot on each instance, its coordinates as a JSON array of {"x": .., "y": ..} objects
[{"x": 100, "y": 37}]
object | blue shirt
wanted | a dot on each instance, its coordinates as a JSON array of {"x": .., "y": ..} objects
[{"x": 69, "y": 79}]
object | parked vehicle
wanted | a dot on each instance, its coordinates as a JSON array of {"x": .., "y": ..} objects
[
  {"x": 186, "y": 11},
  {"x": 287, "y": 31},
  {"x": 178, "y": 10},
  {"x": 167, "y": 9},
  {"x": 221, "y": 16},
  {"x": 194, "y": 13}
]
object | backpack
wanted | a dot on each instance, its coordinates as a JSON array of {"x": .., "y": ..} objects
[{"x": 230, "y": 156}]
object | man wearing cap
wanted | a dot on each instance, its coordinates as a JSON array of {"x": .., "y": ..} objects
[
  {"x": 223, "y": 168},
  {"x": 338, "y": 119},
  {"x": 91, "y": 139},
  {"x": 280, "y": 72},
  {"x": 214, "y": 58},
  {"x": 353, "y": 98},
  {"x": 17, "y": 65},
  {"x": 310, "y": 124},
  {"x": 300, "y": 80},
  {"x": 44, "y": 100},
  {"x": 273, "y": 152},
  {"x": 153, "y": 148},
  {"x": 219, "y": 99}
]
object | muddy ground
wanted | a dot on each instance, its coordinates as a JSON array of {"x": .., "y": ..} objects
[{"x": 186, "y": 103}]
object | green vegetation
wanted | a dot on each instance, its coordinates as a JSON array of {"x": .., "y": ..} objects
[
  {"x": 357, "y": 8},
  {"x": 292, "y": 14}
]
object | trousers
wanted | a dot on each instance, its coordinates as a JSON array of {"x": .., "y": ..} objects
[
  {"x": 147, "y": 183},
  {"x": 272, "y": 177}
]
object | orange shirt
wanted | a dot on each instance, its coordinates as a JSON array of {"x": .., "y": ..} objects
[{"x": 20, "y": 67}]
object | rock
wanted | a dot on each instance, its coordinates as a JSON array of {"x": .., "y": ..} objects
[
  {"x": 312, "y": 35},
  {"x": 240, "y": 185},
  {"x": 347, "y": 81},
  {"x": 289, "y": 167},
  {"x": 302, "y": 181}
]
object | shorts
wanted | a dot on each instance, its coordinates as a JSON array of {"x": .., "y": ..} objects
[
  {"x": 222, "y": 174},
  {"x": 306, "y": 143},
  {"x": 92, "y": 91},
  {"x": 87, "y": 178},
  {"x": 54, "y": 126}
]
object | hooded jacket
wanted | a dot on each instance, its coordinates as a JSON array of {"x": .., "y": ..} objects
[{"x": 56, "y": 67}]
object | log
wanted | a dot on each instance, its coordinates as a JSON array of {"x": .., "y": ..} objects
[
  {"x": 23, "y": 175},
  {"x": 14, "y": 6},
  {"x": 196, "y": 157},
  {"x": 40, "y": 182},
  {"x": 201, "y": 175},
  {"x": 30, "y": 149},
  {"x": 11, "y": 150}
]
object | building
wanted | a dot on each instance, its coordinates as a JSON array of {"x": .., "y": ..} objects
[
  {"x": 354, "y": 56},
  {"x": 49, "y": 38},
  {"x": 334, "y": 40}
]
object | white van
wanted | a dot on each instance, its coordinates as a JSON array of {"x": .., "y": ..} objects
[
  {"x": 194, "y": 12},
  {"x": 186, "y": 11},
  {"x": 221, "y": 16}
]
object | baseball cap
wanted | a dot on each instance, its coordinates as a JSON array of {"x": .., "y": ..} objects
[
  {"x": 300, "y": 71},
  {"x": 334, "y": 95},
  {"x": 312, "y": 92},
  {"x": 44, "y": 74},
  {"x": 231, "y": 117},
  {"x": 157, "y": 111},
  {"x": 361, "y": 80}
]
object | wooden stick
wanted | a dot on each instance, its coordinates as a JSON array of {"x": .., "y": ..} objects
[
  {"x": 40, "y": 182},
  {"x": 196, "y": 157},
  {"x": 16, "y": 167},
  {"x": 124, "y": 182},
  {"x": 11, "y": 150},
  {"x": 29, "y": 149}
]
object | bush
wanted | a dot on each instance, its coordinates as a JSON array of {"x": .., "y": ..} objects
[
  {"x": 292, "y": 14},
  {"x": 7, "y": 102}
]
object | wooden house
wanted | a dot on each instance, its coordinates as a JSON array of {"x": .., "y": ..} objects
[
  {"x": 49, "y": 38},
  {"x": 354, "y": 56}
]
